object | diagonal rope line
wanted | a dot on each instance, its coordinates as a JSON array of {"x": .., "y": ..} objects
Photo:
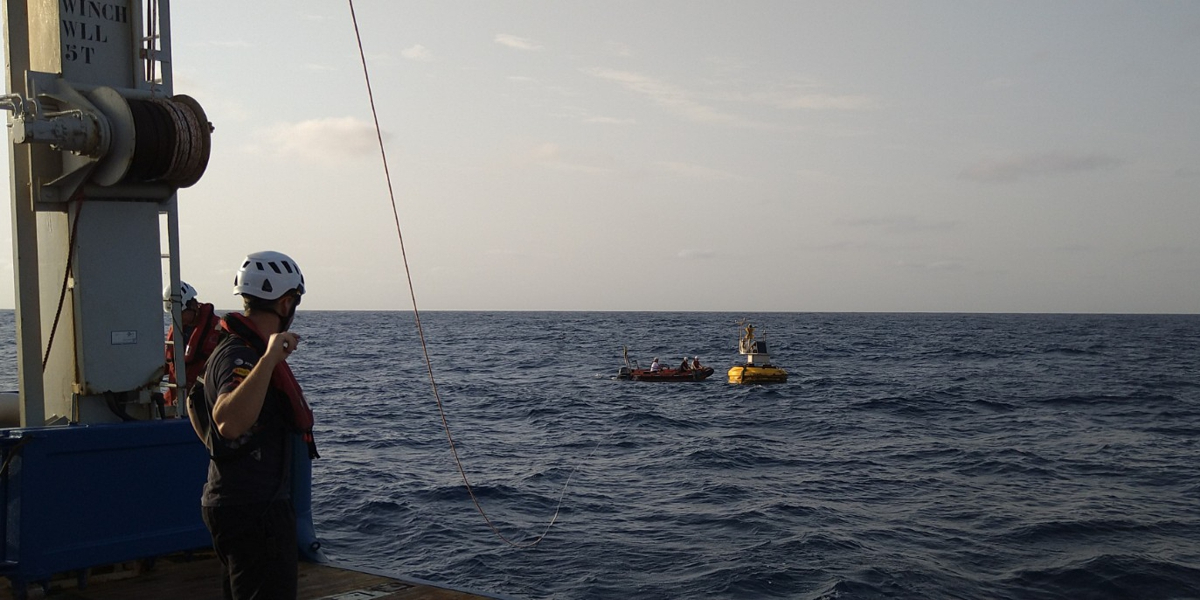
[
  {"x": 417, "y": 316},
  {"x": 62, "y": 294}
]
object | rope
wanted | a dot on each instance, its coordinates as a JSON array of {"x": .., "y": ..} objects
[
  {"x": 417, "y": 317},
  {"x": 12, "y": 453},
  {"x": 62, "y": 295}
]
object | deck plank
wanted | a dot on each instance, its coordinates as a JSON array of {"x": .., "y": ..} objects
[{"x": 196, "y": 577}]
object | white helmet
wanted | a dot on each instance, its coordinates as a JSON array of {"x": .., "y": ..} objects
[
  {"x": 187, "y": 293},
  {"x": 268, "y": 275}
]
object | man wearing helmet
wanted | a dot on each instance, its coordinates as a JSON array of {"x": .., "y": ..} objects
[
  {"x": 253, "y": 415},
  {"x": 201, "y": 332}
]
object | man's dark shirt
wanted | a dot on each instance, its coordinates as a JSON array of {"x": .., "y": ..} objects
[{"x": 257, "y": 466}]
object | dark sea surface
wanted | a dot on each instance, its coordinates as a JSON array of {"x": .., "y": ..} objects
[{"x": 908, "y": 456}]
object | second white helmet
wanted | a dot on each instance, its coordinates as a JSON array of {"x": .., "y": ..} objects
[
  {"x": 186, "y": 294},
  {"x": 268, "y": 275}
]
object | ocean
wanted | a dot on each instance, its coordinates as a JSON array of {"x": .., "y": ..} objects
[{"x": 907, "y": 456}]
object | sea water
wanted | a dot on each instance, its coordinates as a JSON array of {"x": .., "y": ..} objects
[{"x": 907, "y": 456}]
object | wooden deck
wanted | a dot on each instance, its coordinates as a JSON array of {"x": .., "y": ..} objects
[{"x": 195, "y": 577}]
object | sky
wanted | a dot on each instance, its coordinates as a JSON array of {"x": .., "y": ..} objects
[{"x": 692, "y": 155}]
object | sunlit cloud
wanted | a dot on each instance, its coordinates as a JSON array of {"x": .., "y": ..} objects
[
  {"x": 519, "y": 43},
  {"x": 320, "y": 140},
  {"x": 676, "y": 100},
  {"x": 1015, "y": 168},
  {"x": 418, "y": 53},
  {"x": 546, "y": 151},
  {"x": 551, "y": 156}
]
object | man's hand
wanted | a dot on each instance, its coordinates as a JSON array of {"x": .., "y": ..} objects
[{"x": 280, "y": 345}]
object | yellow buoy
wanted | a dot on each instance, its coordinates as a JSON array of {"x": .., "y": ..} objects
[
  {"x": 752, "y": 374},
  {"x": 758, "y": 367}
]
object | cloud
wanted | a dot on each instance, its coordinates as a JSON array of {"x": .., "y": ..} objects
[
  {"x": 418, "y": 53},
  {"x": 699, "y": 172},
  {"x": 551, "y": 156},
  {"x": 1028, "y": 166},
  {"x": 546, "y": 151},
  {"x": 319, "y": 140},
  {"x": 519, "y": 43},
  {"x": 676, "y": 100}
]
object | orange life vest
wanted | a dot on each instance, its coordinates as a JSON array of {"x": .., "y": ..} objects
[{"x": 199, "y": 345}]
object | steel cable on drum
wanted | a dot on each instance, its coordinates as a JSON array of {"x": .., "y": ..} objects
[{"x": 417, "y": 317}]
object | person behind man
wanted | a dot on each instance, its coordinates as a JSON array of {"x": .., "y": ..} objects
[
  {"x": 655, "y": 366},
  {"x": 683, "y": 366},
  {"x": 253, "y": 413},
  {"x": 695, "y": 363},
  {"x": 201, "y": 329}
]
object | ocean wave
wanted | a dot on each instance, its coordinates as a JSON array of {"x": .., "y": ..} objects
[
  {"x": 1106, "y": 576},
  {"x": 1007, "y": 457}
]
